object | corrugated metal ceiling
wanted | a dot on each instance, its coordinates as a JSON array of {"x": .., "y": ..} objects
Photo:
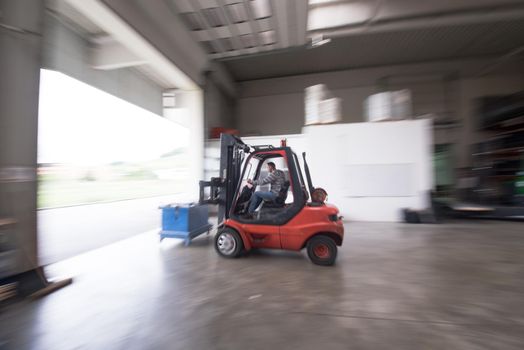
[
  {"x": 230, "y": 27},
  {"x": 386, "y": 48}
]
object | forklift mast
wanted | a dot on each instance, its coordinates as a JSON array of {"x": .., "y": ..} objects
[{"x": 222, "y": 188}]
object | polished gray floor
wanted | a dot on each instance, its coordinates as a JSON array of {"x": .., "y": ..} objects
[
  {"x": 395, "y": 286},
  {"x": 69, "y": 231}
]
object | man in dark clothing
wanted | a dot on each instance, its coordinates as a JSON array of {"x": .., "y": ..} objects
[{"x": 276, "y": 178}]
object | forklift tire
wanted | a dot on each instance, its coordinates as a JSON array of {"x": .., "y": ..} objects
[
  {"x": 228, "y": 243},
  {"x": 322, "y": 250}
]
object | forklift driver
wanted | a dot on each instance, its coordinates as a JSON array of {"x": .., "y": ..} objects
[{"x": 276, "y": 178}]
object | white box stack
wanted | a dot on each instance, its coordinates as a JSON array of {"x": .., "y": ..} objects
[
  {"x": 390, "y": 105},
  {"x": 312, "y": 96},
  {"x": 330, "y": 110},
  {"x": 320, "y": 107}
]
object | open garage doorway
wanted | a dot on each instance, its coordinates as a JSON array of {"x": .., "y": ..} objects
[{"x": 105, "y": 165}]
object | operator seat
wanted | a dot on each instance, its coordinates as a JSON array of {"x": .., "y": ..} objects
[{"x": 280, "y": 200}]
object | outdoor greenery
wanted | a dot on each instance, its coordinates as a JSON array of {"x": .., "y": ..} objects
[{"x": 65, "y": 185}]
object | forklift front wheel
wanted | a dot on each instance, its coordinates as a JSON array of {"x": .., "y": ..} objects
[
  {"x": 322, "y": 250},
  {"x": 228, "y": 243}
]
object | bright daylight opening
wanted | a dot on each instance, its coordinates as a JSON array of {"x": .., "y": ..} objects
[{"x": 95, "y": 147}]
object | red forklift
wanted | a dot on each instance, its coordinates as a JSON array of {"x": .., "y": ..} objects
[{"x": 292, "y": 221}]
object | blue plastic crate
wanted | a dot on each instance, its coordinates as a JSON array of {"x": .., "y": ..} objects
[{"x": 184, "y": 220}]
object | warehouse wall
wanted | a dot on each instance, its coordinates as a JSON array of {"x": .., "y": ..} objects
[
  {"x": 66, "y": 51},
  {"x": 219, "y": 108},
  {"x": 448, "y": 88},
  {"x": 375, "y": 170},
  {"x": 473, "y": 88},
  {"x": 270, "y": 114}
]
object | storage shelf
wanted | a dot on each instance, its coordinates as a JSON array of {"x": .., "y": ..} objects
[
  {"x": 506, "y": 123},
  {"x": 502, "y": 177},
  {"x": 501, "y": 151},
  {"x": 506, "y": 132}
]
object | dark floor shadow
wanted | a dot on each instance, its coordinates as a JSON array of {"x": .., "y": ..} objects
[{"x": 274, "y": 254}]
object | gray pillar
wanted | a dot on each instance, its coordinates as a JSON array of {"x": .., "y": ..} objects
[{"x": 20, "y": 62}]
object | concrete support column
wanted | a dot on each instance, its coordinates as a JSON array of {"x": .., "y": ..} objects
[
  {"x": 20, "y": 62},
  {"x": 188, "y": 110}
]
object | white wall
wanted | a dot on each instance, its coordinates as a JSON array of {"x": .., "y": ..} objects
[
  {"x": 447, "y": 88},
  {"x": 371, "y": 171}
]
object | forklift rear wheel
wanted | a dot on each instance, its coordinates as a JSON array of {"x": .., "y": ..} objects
[
  {"x": 228, "y": 243},
  {"x": 322, "y": 250}
]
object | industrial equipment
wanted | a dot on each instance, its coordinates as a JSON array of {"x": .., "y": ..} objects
[
  {"x": 185, "y": 221},
  {"x": 290, "y": 222}
]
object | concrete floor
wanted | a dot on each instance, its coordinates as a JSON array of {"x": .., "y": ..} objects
[
  {"x": 69, "y": 231},
  {"x": 395, "y": 286}
]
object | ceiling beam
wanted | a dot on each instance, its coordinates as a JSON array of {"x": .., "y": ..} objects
[
  {"x": 107, "y": 54},
  {"x": 501, "y": 60},
  {"x": 119, "y": 29},
  {"x": 161, "y": 24},
  {"x": 383, "y": 23}
]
